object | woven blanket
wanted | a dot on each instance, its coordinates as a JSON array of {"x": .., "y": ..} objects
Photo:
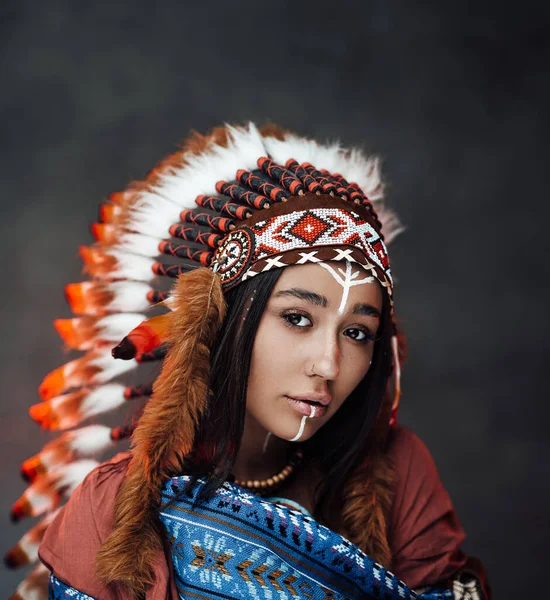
[{"x": 238, "y": 545}]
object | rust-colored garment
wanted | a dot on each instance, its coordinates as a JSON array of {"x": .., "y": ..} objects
[{"x": 424, "y": 535}]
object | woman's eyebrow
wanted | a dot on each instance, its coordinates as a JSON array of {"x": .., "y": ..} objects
[
  {"x": 366, "y": 309},
  {"x": 306, "y": 295}
]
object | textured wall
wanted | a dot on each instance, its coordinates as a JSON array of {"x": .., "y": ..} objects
[{"x": 453, "y": 95}]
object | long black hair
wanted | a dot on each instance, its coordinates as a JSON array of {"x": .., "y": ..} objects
[{"x": 338, "y": 446}]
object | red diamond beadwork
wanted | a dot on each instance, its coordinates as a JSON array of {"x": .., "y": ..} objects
[{"x": 309, "y": 228}]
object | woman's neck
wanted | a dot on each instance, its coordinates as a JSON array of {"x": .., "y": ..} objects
[{"x": 261, "y": 454}]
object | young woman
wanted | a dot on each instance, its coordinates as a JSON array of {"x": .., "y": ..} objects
[{"x": 268, "y": 462}]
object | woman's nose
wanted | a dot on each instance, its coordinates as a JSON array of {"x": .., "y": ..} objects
[{"x": 325, "y": 362}]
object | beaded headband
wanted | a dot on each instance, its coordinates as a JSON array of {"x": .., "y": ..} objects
[{"x": 306, "y": 229}]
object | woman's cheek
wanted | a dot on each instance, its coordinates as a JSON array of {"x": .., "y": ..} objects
[{"x": 355, "y": 366}]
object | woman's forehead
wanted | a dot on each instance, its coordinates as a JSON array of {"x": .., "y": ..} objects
[{"x": 333, "y": 280}]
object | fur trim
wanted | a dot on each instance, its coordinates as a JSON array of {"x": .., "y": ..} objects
[{"x": 165, "y": 432}]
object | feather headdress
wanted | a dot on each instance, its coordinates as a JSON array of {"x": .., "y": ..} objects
[{"x": 240, "y": 201}]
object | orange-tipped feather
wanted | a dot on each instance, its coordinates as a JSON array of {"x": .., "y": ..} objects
[
  {"x": 32, "y": 468},
  {"x": 53, "y": 384},
  {"x": 85, "y": 442},
  {"x": 37, "y": 499},
  {"x": 108, "y": 213},
  {"x": 20, "y": 509},
  {"x": 104, "y": 233},
  {"x": 71, "y": 374},
  {"x": 121, "y": 198},
  {"x": 25, "y": 551},
  {"x": 16, "y": 557},
  {"x": 77, "y": 333},
  {"x": 69, "y": 410},
  {"x": 88, "y": 297},
  {"x": 34, "y": 586},
  {"x": 85, "y": 333},
  {"x": 96, "y": 262},
  {"x": 96, "y": 367},
  {"x": 61, "y": 412},
  {"x": 45, "y": 493}
]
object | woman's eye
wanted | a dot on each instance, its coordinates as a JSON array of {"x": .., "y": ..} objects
[
  {"x": 297, "y": 320},
  {"x": 357, "y": 334}
]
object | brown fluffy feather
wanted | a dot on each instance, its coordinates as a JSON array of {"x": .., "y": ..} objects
[
  {"x": 368, "y": 494},
  {"x": 165, "y": 432},
  {"x": 367, "y": 506}
]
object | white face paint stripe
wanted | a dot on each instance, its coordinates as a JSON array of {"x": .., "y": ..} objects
[
  {"x": 347, "y": 280},
  {"x": 303, "y": 424}
]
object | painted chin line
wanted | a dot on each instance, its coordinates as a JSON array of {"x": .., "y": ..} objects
[{"x": 303, "y": 424}]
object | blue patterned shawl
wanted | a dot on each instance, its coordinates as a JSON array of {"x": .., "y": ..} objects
[{"x": 238, "y": 545}]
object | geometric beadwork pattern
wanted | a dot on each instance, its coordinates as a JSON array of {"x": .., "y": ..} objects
[
  {"x": 313, "y": 235},
  {"x": 237, "y": 545}
]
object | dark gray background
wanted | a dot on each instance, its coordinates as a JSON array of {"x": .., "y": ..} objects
[{"x": 453, "y": 95}]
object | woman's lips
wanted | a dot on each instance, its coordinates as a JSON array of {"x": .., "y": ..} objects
[{"x": 306, "y": 408}]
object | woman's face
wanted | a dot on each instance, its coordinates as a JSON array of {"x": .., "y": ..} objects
[{"x": 313, "y": 346}]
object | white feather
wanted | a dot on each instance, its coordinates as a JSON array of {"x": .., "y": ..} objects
[
  {"x": 129, "y": 296},
  {"x": 153, "y": 214},
  {"x": 42, "y": 495},
  {"x": 68, "y": 476},
  {"x": 131, "y": 266},
  {"x": 35, "y": 585},
  {"x": 115, "y": 327},
  {"x": 89, "y": 441},
  {"x": 137, "y": 243},
  {"x": 103, "y": 399},
  {"x": 31, "y": 540},
  {"x": 109, "y": 367}
]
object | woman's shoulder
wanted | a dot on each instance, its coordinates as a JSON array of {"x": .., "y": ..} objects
[
  {"x": 412, "y": 463},
  {"x": 71, "y": 541},
  {"x": 402, "y": 441},
  {"x": 417, "y": 485}
]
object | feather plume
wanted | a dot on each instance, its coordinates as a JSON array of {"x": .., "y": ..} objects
[
  {"x": 84, "y": 333},
  {"x": 165, "y": 432},
  {"x": 109, "y": 212},
  {"x": 367, "y": 502},
  {"x": 96, "y": 367},
  {"x": 34, "y": 586},
  {"x": 25, "y": 551},
  {"x": 80, "y": 443},
  {"x": 115, "y": 264},
  {"x": 69, "y": 410},
  {"x": 100, "y": 298},
  {"x": 46, "y": 492}
]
